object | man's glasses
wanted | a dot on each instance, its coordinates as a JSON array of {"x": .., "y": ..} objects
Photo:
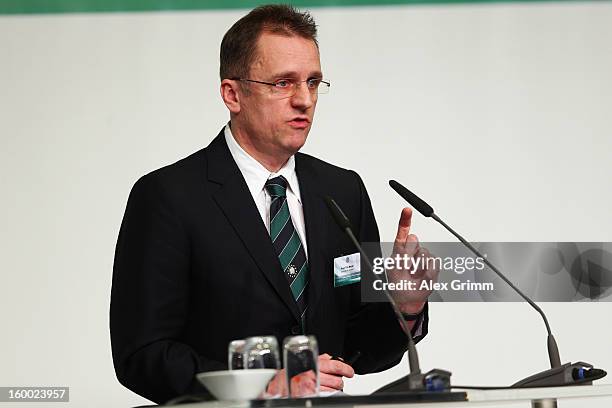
[{"x": 285, "y": 88}]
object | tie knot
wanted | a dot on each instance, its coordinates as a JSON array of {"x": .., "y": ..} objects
[{"x": 277, "y": 187}]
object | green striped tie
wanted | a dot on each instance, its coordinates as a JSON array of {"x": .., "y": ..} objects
[{"x": 287, "y": 243}]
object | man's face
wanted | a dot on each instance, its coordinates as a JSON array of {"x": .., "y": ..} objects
[{"x": 279, "y": 126}]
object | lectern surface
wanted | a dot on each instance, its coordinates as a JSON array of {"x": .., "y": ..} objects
[{"x": 571, "y": 396}]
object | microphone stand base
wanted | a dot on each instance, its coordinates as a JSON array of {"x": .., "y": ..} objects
[
  {"x": 436, "y": 380},
  {"x": 567, "y": 374}
]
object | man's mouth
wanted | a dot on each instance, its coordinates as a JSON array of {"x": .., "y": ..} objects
[{"x": 299, "y": 122}]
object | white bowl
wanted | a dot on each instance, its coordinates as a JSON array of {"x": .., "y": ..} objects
[{"x": 236, "y": 384}]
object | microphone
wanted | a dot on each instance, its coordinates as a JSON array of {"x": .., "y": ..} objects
[
  {"x": 434, "y": 380},
  {"x": 418, "y": 204},
  {"x": 558, "y": 374}
]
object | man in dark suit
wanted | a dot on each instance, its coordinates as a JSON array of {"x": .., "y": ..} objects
[{"x": 235, "y": 240}]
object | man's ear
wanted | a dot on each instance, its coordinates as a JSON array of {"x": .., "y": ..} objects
[{"x": 231, "y": 95}]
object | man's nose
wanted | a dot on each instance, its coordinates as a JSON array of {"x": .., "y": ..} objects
[{"x": 303, "y": 97}]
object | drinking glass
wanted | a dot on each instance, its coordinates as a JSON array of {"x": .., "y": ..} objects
[
  {"x": 235, "y": 353},
  {"x": 300, "y": 355},
  {"x": 261, "y": 352}
]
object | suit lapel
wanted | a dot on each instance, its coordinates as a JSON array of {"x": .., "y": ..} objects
[
  {"x": 236, "y": 202},
  {"x": 314, "y": 210}
]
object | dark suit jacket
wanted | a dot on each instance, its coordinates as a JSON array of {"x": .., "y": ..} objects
[{"x": 195, "y": 268}]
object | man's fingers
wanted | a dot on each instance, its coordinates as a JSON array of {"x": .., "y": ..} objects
[
  {"x": 406, "y": 218},
  {"x": 424, "y": 262},
  {"x": 335, "y": 367},
  {"x": 278, "y": 384},
  {"x": 331, "y": 373},
  {"x": 331, "y": 381},
  {"x": 433, "y": 273},
  {"x": 304, "y": 383},
  {"x": 405, "y": 221},
  {"x": 431, "y": 269},
  {"x": 403, "y": 228}
]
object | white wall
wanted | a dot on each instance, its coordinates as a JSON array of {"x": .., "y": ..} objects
[{"x": 499, "y": 115}]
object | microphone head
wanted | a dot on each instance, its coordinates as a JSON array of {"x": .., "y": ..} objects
[
  {"x": 339, "y": 216},
  {"x": 418, "y": 204}
]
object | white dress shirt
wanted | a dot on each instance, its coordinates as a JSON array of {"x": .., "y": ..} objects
[{"x": 256, "y": 175}]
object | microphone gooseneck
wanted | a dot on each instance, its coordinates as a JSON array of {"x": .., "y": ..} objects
[
  {"x": 426, "y": 210},
  {"x": 559, "y": 374}
]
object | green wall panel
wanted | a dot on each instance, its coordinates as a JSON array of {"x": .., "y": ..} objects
[{"x": 109, "y": 6}]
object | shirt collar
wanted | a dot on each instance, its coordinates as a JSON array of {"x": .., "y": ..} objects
[{"x": 254, "y": 173}]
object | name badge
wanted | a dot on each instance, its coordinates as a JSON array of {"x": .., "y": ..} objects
[{"x": 347, "y": 269}]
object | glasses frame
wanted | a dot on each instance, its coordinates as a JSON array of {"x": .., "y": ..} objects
[{"x": 295, "y": 83}]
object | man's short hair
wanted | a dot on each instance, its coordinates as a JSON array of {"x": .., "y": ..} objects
[{"x": 239, "y": 45}]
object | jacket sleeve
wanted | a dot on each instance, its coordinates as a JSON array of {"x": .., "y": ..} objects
[
  {"x": 150, "y": 297},
  {"x": 373, "y": 330}
]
